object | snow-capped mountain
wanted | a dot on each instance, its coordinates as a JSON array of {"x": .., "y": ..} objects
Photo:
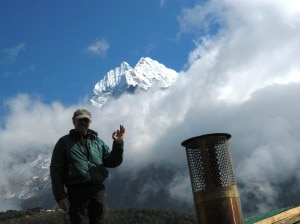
[
  {"x": 146, "y": 74},
  {"x": 35, "y": 190}
]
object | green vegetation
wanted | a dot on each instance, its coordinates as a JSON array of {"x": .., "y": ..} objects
[
  {"x": 124, "y": 216},
  {"x": 34, "y": 216},
  {"x": 146, "y": 216}
]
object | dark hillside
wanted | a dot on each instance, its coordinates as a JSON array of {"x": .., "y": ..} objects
[{"x": 124, "y": 216}]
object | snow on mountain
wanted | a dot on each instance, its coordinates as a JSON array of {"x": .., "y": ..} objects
[
  {"x": 38, "y": 167},
  {"x": 35, "y": 190},
  {"x": 146, "y": 74}
]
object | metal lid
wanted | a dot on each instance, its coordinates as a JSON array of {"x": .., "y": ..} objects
[{"x": 193, "y": 143}]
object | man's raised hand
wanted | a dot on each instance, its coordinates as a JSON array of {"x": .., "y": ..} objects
[{"x": 118, "y": 135}]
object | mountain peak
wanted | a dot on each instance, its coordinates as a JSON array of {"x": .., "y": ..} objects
[{"x": 146, "y": 74}]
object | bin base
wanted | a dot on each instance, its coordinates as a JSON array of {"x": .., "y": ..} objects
[{"x": 220, "y": 211}]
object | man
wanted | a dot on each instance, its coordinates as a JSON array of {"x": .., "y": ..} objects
[{"x": 78, "y": 163}]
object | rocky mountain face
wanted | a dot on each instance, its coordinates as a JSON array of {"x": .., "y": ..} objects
[
  {"x": 146, "y": 188},
  {"x": 146, "y": 74}
]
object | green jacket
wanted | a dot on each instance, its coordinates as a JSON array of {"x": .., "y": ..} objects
[{"x": 73, "y": 164}]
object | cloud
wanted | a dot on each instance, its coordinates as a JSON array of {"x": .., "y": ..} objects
[
  {"x": 150, "y": 47},
  {"x": 98, "y": 48},
  {"x": 29, "y": 69},
  {"x": 262, "y": 46},
  {"x": 179, "y": 187},
  {"x": 9, "y": 55},
  {"x": 203, "y": 19},
  {"x": 162, "y": 3},
  {"x": 243, "y": 80}
]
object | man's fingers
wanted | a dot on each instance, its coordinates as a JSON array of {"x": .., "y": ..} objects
[
  {"x": 122, "y": 129},
  {"x": 118, "y": 134}
]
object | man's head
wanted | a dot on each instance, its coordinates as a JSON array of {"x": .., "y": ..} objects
[
  {"x": 82, "y": 119},
  {"x": 82, "y": 113}
]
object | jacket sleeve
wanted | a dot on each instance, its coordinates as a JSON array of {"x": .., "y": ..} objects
[
  {"x": 58, "y": 167},
  {"x": 114, "y": 157}
]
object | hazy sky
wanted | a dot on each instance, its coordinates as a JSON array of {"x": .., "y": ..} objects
[{"x": 239, "y": 73}]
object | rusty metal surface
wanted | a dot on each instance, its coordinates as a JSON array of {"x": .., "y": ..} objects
[
  {"x": 193, "y": 143},
  {"x": 220, "y": 211},
  {"x": 212, "y": 194},
  {"x": 213, "y": 180}
]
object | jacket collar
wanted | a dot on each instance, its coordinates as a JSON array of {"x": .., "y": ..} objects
[{"x": 90, "y": 134}]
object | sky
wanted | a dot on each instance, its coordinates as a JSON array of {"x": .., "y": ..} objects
[
  {"x": 239, "y": 74},
  {"x": 58, "y": 51}
]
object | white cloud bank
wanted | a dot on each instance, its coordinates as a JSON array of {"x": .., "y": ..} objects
[{"x": 245, "y": 80}]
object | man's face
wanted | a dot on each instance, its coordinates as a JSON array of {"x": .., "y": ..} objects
[{"x": 82, "y": 125}]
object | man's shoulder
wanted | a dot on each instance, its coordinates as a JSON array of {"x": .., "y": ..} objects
[
  {"x": 65, "y": 137},
  {"x": 65, "y": 140}
]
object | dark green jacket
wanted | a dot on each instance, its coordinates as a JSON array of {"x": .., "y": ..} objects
[{"x": 72, "y": 164}]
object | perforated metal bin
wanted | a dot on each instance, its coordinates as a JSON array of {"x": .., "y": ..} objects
[{"x": 213, "y": 180}]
